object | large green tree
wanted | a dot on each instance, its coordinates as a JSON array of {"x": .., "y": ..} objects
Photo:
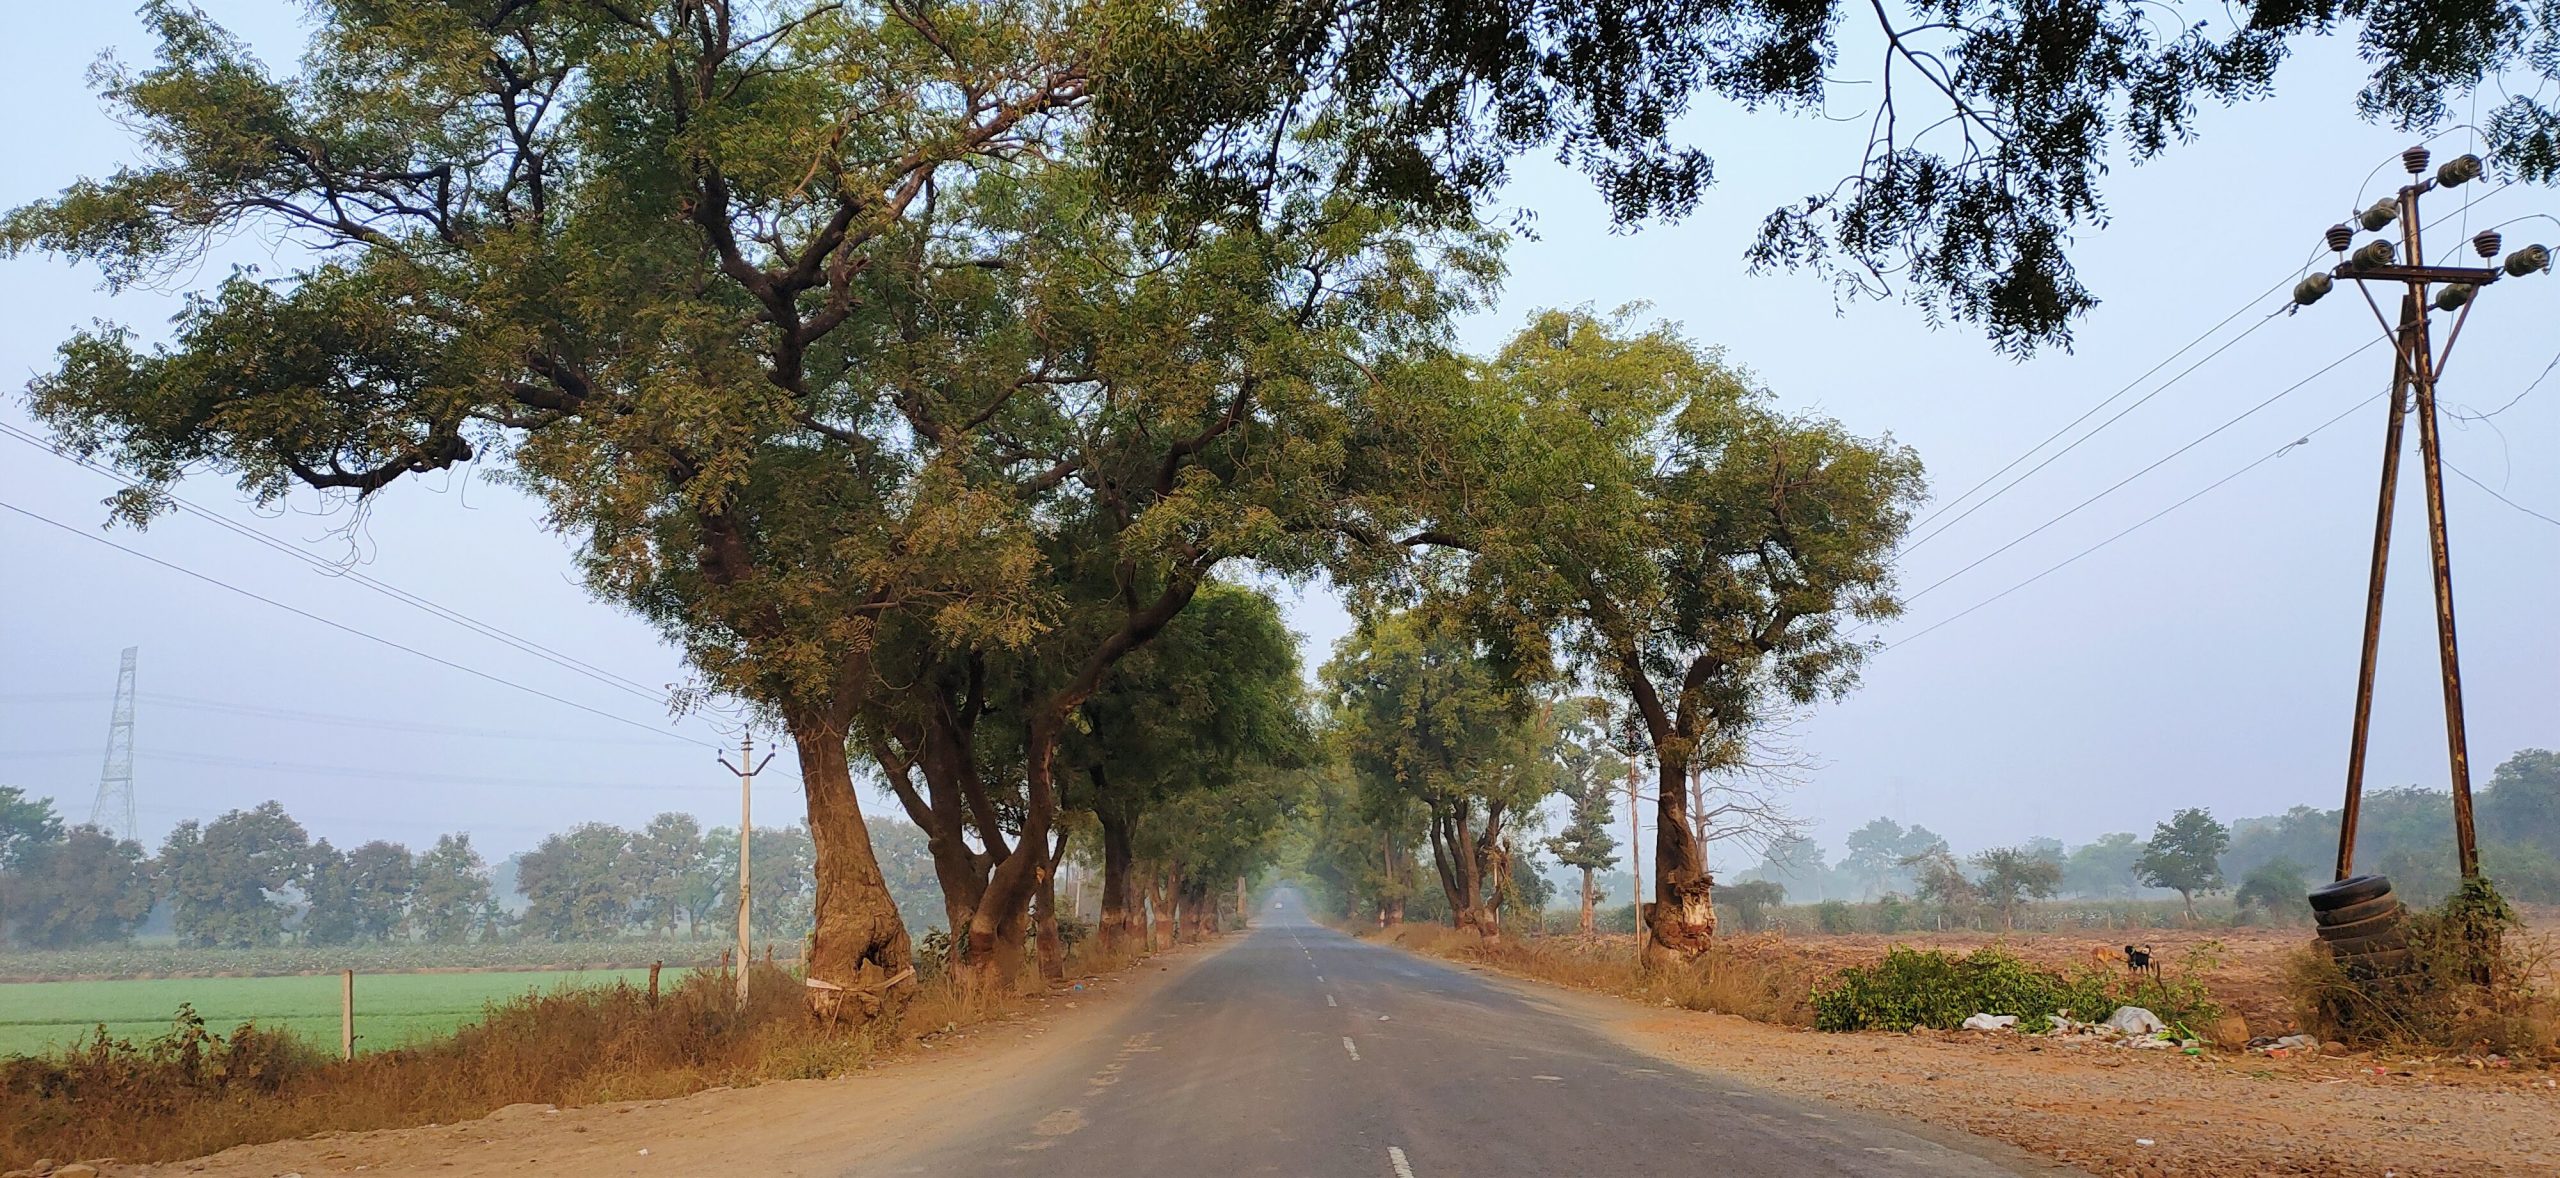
[
  {"x": 1425, "y": 710},
  {"x": 26, "y": 824},
  {"x": 84, "y": 888},
  {"x": 228, "y": 877},
  {"x": 2185, "y": 855},
  {"x": 804, "y": 319},
  {"x": 1634, "y": 504},
  {"x": 577, "y": 884},
  {"x": 1214, "y": 701},
  {"x": 453, "y": 887}
]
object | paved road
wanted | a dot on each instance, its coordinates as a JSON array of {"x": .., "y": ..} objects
[{"x": 1300, "y": 1051}]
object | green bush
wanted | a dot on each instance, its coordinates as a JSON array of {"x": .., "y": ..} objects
[
  {"x": 1914, "y": 987},
  {"x": 1836, "y": 916}
]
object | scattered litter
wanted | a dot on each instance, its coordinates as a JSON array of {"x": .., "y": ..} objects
[
  {"x": 2144, "y": 1141},
  {"x": 2134, "y": 1020},
  {"x": 1382, "y": 1018},
  {"x": 644, "y": 1153},
  {"x": 1991, "y": 1022}
]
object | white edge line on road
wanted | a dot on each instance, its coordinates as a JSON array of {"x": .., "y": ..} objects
[
  {"x": 1395, "y": 1157},
  {"x": 1353, "y": 1048},
  {"x": 1328, "y": 1000}
]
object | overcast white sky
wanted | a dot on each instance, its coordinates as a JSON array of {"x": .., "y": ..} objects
[{"x": 2207, "y": 659}]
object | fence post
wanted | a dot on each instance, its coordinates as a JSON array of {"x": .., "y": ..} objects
[
  {"x": 347, "y": 1013},
  {"x": 653, "y": 981}
]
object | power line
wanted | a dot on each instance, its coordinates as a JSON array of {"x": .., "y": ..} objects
[
  {"x": 191, "y": 703},
  {"x": 2091, "y": 412},
  {"x": 361, "y": 773},
  {"x": 2466, "y": 477},
  {"x": 2155, "y": 465},
  {"x": 2270, "y": 456},
  {"x": 405, "y": 597},
  {"x": 2128, "y": 387},
  {"x": 344, "y": 628}
]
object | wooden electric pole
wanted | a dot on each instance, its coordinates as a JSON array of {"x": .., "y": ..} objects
[
  {"x": 2416, "y": 366},
  {"x": 746, "y": 769}
]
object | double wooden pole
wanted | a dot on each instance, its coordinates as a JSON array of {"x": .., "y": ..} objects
[{"x": 2415, "y": 366}]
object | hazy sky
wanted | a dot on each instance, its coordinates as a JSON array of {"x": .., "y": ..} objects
[{"x": 2207, "y": 659}]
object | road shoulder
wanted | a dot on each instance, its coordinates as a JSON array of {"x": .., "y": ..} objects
[
  {"x": 2023, "y": 1102},
  {"x": 794, "y": 1127}
]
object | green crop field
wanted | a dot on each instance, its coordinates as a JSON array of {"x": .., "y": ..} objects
[{"x": 391, "y": 1009}]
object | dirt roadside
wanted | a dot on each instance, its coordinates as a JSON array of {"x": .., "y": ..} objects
[
  {"x": 2115, "y": 1111},
  {"x": 799, "y": 1127}
]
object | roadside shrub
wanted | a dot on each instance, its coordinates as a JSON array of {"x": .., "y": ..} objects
[
  {"x": 1835, "y": 916},
  {"x": 1927, "y": 987},
  {"x": 2473, "y": 982}
]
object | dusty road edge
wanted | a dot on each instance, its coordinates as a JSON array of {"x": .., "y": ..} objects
[
  {"x": 786, "y": 1127},
  {"x": 1622, "y": 1020}
]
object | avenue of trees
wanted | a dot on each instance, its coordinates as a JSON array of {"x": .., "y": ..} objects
[{"x": 920, "y": 370}]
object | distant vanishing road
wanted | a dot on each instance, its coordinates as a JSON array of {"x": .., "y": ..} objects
[{"x": 1300, "y": 1051}]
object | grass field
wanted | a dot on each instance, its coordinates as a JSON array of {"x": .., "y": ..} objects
[{"x": 391, "y": 1009}]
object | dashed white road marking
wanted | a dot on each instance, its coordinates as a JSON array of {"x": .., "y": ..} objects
[
  {"x": 1558, "y": 1079},
  {"x": 1319, "y": 977},
  {"x": 1353, "y": 1048},
  {"x": 1395, "y": 1157},
  {"x": 1328, "y": 1000}
]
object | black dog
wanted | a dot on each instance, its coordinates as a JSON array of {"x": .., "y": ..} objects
[{"x": 2139, "y": 960}]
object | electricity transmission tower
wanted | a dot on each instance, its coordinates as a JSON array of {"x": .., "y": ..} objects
[{"x": 114, "y": 807}]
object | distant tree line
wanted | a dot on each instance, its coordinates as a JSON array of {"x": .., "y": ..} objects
[
  {"x": 255, "y": 877},
  {"x": 2266, "y": 864}
]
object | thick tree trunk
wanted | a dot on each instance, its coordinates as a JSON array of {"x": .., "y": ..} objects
[
  {"x": 859, "y": 944},
  {"x": 1680, "y": 923},
  {"x": 1589, "y": 900},
  {"x": 1001, "y": 925},
  {"x": 1244, "y": 905},
  {"x": 1120, "y": 918}
]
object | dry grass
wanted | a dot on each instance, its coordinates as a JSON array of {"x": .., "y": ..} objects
[
  {"x": 1737, "y": 977},
  {"x": 193, "y": 1091},
  {"x": 2474, "y": 981}
]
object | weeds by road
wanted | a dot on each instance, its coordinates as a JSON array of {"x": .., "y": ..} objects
[{"x": 198, "y": 1090}]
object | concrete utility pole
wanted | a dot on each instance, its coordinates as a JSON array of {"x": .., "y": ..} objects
[
  {"x": 746, "y": 769},
  {"x": 2416, "y": 365}
]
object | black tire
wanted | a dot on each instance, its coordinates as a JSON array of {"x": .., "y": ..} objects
[
  {"x": 2352, "y": 913},
  {"x": 2364, "y": 947},
  {"x": 2355, "y": 889},
  {"x": 2368, "y": 927}
]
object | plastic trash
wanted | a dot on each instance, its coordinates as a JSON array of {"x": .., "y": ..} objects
[{"x": 2134, "y": 1020}]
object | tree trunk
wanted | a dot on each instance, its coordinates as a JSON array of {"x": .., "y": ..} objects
[
  {"x": 1680, "y": 923},
  {"x": 1120, "y": 916},
  {"x": 1002, "y": 923},
  {"x": 1589, "y": 928},
  {"x": 859, "y": 940},
  {"x": 1052, "y": 947},
  {"x": 1244, "y": 905}
]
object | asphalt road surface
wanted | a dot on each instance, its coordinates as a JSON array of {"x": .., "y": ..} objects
[{"x": 1301, "y": 1051}]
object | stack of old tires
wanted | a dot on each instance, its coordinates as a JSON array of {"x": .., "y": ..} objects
[{"x": 2360, "y": 923}]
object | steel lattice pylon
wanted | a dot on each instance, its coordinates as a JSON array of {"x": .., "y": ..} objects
[{"x": 114, "y": 807}]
